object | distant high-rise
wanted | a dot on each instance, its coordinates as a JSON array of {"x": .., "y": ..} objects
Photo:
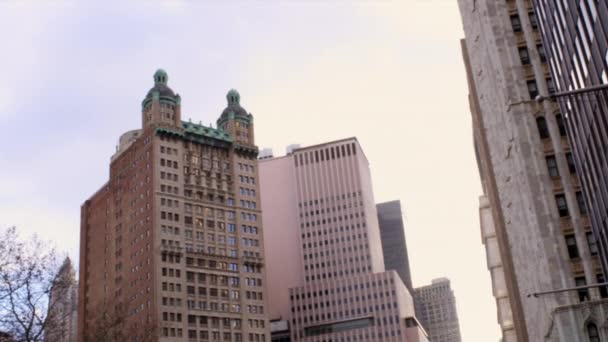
[
  {"x": 394, "y": 246},
  {"x": 172, "y": 245},
  {"x": 534, "y": 221},
  {"x": 62, "y": 323},
  {"x": 436, "y": 307},
  {"x": 326, "y": 275}
]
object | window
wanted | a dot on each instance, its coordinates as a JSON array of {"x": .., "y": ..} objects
[
  {"x": 603, "y": 289},
  {"x": 571, "y": 245},
  {"x": 533, "y": 21},
  {"x": 570, "y": 161},
  {"x": 560, "y": 124},
  {"x": 543, "y": 129},
  {"x": 541, "y": 53},
  {"x": 550, "y": 85},
  {"x": 591, "y": 243},
  {"x": 581, "y": 203},
  {"x": 583, "y": 294},
  {"x": 594, "y": 335},
  {"x": 562, "y": 205},
  {"x": 532, "y": 89},
  {"x": 552, "y": 166},
  {"x": 524, "y": 56},
  {"x": 516, "y": 23}
]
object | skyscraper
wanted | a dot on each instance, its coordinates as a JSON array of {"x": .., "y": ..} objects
[
  {"x": 394, "y": 246},
  {"x": 575, "y": 34},
  {"x": 172, "y": 245},
  {"x": 326, "y": 275},
  {"x": 436, "y": 308},
  {"x": 534, "y": 222},
  {"x": 62, "y": 323}
]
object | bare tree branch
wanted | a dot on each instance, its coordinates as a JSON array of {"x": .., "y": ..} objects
[{"x": 28, "y": 272}]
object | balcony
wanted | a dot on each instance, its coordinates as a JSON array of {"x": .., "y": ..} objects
[
  {"x": 565, "y": 143},
  {"x": 251, "y": 260},
  {"x": 520, "y": 38},
  {"x": 565, "y": 223},
  {"x": 547, "y": 146},
  {"x": 528, "y": 71},
  {"x": 576, "y": 265},
  {"x": 176, "y": 250},
  {"x": 557, "y": 184}
]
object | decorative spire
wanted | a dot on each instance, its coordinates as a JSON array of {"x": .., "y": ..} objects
[
  {"x": 161, "y": 77},
  {"x": 233, "y": 97}
]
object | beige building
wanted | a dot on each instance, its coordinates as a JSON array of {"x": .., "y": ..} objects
[
  {"x": 436, "y": 308},
  {"x": 533, "y": 217},
  {"x": 326, "y": 277},
  {"x": 172, "y": 246}
]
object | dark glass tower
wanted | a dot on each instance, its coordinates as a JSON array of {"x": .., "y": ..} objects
[
  {"x": 394, "y": 247},
  {"x": 575, "y": 35}
]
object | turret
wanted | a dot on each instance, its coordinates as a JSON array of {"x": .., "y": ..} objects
[
  {"x": 236, "y": 121},
  {"x": 161, "y": 105}
]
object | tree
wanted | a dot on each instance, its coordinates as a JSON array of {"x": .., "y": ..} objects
[{"x": 28, "y": 270}]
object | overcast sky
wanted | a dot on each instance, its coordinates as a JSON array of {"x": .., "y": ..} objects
[{"x": 389, "y": 72}]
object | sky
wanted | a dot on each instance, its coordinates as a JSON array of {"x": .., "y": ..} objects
[{"x": 390, "y": 72}]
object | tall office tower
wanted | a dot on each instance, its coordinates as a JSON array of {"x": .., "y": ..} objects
[
  {"x": 394, "y": 247},
  {"x": 326, "y": 275},
  {"x": 172, "y": 245},
  {"x": 437, "y": 311},
  {"x": 576, "y": 36},
  {"x": 62, "y": 323},
  {"x": 539, "y": 234}
]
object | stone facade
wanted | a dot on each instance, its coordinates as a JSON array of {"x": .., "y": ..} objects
[
  {"x": 497, "y": 271},
  {"x": 542, "y": 239},
  {"x": 172, "y": 245}
]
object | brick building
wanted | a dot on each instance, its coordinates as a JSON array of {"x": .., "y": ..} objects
[{"x": 172, "y": 245}]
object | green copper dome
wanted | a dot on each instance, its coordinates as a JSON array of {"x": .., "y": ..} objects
[
  {"x": 233, "y": 97},
  {"x": 161, "y": 77},
  {"x": 234, "y": 109},
  {"x": 160, "y": 86}
]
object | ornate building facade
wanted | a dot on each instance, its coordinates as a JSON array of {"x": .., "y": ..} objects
[{"x": 172, "y": 245}]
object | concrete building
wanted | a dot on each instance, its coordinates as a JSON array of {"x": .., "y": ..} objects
[
  {"x": 575, "y": 34},
  {"x": 63, "y": 306},
  {"x": 172, "y": 246},
  {"x": 326, "y": 275},
  {"x": 394, "y": 246},
  {"x": 497, "y": 270},
  {"x": 534, "y": 225},
  {"x": 436, "y": 309}
]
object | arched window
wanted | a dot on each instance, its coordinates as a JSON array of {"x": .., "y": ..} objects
[
  {"x": 543, "y": 129},
  {"x": 594, "y": 335}
]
